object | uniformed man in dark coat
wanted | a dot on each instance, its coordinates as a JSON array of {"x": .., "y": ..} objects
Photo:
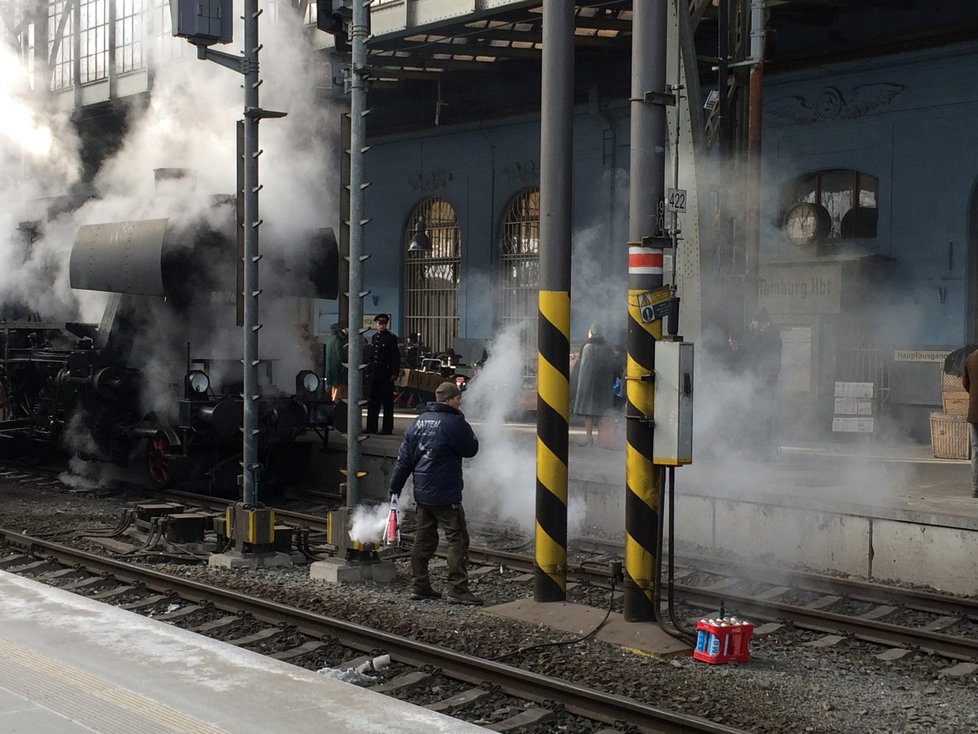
[
  {"x": 432, "y": 450},
  {"x": 384, "y": 369}
]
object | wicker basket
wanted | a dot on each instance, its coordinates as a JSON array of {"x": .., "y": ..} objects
[
  {"x": 954, "y": 402},
  {"x": 949, "y": 437},
  {"x": 951, "y": 383}
]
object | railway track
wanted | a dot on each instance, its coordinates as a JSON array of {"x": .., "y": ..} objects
[
  {"x": 415, "y": 671},
  {"x": 903, "y": 620},
  {"x": 900, "y": 618}
]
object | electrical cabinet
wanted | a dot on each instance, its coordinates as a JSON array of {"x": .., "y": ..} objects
[
  {"x": 672, "y": 443},
  {"x": 202, "y": 22}
]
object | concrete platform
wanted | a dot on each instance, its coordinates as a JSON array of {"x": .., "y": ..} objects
[
  {"x": 579, "y": 619},
  {"x": 70, "y": 665}
]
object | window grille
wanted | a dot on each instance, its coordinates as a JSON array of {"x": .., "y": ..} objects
[
  {"x": 129, "y": 36},
  {"x": 94, "y": 38},
  {"x": 518, "y": 277},
  {"x": 860, "y": 358},
  {"x": 59, "y": 16},
  {"x": 28, "y": 48},
  {"x": 431, "y": 277},
  {"x": 166, "y": 46}
]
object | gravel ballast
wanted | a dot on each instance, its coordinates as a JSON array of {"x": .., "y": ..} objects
[{"x": 787, "y": 686}]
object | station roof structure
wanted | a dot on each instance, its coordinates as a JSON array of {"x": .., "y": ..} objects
[{"x": 474, "y": 48}]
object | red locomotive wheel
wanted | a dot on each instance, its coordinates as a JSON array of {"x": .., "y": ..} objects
[{"x": 158, "y": 462}]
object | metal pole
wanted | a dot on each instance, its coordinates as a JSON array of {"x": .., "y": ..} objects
[
  {"x": 553, "y": 323},
  {"x": 252, "y": 114},
  {"x": 358, "y": 99},
  {"x": 646, "y": 194},
  {"x": 753, "y": 204}
]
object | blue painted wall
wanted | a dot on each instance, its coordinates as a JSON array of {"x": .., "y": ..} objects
[
  {"x": 921, "y": 146},
  {"x": 479, "y": 171}
]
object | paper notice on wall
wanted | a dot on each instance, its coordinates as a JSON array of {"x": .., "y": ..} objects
[
  {"x": 853, "y": 389},
  {"x": 853, "y": 406},
  {"x": 853, "y": 425}
]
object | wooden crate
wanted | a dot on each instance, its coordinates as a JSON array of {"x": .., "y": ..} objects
[
  {"x": 954, "y": 402},
  {"x": 420, "y": 380},
  {"x": 949, "y": 437}
]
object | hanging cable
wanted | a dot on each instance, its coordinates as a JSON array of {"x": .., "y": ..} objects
[{"x": 558, "y": 643}]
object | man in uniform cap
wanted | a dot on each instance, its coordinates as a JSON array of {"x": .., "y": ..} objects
[
  {"x": 432, "y": 451},
  {"x": 385, "y": 368}
]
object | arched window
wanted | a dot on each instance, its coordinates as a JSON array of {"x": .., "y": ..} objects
[
  {"x": 518, "y": 279},
  {"x": 830, "y": 205},
  {"x": 431, "y": 276}
]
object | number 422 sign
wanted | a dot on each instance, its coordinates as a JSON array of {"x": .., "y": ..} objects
[{"x": 676, "y": 200}]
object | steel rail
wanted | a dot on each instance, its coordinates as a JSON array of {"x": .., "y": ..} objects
[
  {"x": 867, "y": 630},
  {"x": 923, "y": 601},
  {"x": 592, "y": 704}
]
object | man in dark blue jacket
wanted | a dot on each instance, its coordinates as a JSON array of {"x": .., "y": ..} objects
[{"x": 432, "y": 450}]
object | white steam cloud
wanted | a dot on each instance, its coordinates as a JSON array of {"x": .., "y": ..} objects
[
  {"x": 368, "y": 523},
  {"x": 189, "y": 123},
  {"x": 500, "y": 481}
]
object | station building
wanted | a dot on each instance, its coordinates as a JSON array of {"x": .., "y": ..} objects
[{"x": 830, "y": 180}]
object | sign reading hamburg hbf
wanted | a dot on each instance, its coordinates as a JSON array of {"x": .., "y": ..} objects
[{"x": 801, "y": 288}]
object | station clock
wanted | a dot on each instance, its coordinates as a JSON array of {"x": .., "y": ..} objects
[{"x": 806, "y": 223}]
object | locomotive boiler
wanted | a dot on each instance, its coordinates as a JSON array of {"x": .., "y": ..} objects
[{"x": 156, "y": 385}]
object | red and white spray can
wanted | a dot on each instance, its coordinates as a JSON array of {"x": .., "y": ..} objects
[{"x": 392, "y": 534}]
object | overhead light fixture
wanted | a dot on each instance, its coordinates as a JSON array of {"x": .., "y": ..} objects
[{"x": 420, "y": 242}]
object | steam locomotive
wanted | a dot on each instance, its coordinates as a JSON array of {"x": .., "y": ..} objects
[{"x": 155, "y": 387}]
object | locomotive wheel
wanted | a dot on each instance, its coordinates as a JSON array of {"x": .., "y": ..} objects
[{"x": 158, "y": 463}]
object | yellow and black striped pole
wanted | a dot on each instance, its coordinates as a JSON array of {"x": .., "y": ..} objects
[
  {"x": 642, "y": 485},
  {"x": 550, "y": 583},
  {"x": 553, "y": 324}
]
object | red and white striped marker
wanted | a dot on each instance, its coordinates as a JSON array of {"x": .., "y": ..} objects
[{"x": 644, "y": 261}]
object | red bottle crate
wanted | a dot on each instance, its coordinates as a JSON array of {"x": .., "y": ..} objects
[{"x": 722, "y": 641}]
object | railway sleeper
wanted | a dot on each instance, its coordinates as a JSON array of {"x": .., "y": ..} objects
[
  {"x": 179, "y": 613},
  {"x": 96, "y": 582},
  {"x": 404, "y": 682},
  {"x": 34, "y": 568},
  {"x": 878, "y": 612},
  {"x": 772, "y": 593},
  {"x": 218, "y": 624},
  {"x": 305, "y": 648},
  {"x": 269, "y": 633},
  {"x": 145, "y": 603},
  {"x": 13, "y": 560},
  {"x": 466, "y": 698},
  {"x": 941, "y": 623},
  {"x": 894, "y": 653},
  {"x": 113, "y": 593},
  {"x": 825, "y": 601},
  {"x": 61, "y": 573},
  {"x": 825, "y": 641},
  {"x": 528, "y": 717}
]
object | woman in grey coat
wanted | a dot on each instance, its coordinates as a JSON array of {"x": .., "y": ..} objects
[{"x": 595, "y": 380}]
